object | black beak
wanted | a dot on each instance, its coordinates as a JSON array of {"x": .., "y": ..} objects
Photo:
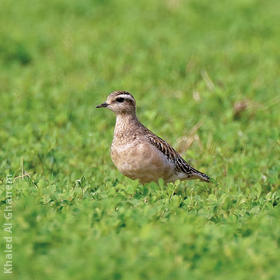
[{"x": 102, "y": 105}]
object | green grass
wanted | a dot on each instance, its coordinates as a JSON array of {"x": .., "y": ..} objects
[{"x": 186, "y": 62}]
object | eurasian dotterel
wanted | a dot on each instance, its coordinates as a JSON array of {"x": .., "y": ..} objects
[{"x": 140, "y": 154}]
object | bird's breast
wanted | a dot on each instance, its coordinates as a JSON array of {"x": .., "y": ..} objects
[{"x": 138, "y": 160}]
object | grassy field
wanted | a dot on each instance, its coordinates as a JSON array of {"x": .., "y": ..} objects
[{"x": 205, "y": 75}]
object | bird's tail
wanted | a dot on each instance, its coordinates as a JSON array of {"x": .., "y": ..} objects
[{"x": 199, "y": 175}]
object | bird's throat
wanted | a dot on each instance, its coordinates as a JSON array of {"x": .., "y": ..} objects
[{"x": 125, "y": 125}]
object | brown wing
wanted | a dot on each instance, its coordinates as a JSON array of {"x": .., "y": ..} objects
[
  {"x": 180, "y": 164},
  {"x": 170, "y": 153}
]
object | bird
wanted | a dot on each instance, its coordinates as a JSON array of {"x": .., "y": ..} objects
[{"x": 140, "y": 154}]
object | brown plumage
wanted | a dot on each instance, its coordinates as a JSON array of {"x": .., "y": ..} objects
[{"x": 140, "y": 154}]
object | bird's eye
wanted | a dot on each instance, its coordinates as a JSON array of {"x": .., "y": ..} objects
[{"x": 120, "y": 99}]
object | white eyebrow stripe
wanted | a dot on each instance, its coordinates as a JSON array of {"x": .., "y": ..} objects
[{"x": 125, "y": 96}]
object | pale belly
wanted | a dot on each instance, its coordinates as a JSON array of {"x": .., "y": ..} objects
[{"x": 141, "y": 161}]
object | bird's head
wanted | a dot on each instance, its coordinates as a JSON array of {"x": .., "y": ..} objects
[{"x": 120, "y": 102}]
